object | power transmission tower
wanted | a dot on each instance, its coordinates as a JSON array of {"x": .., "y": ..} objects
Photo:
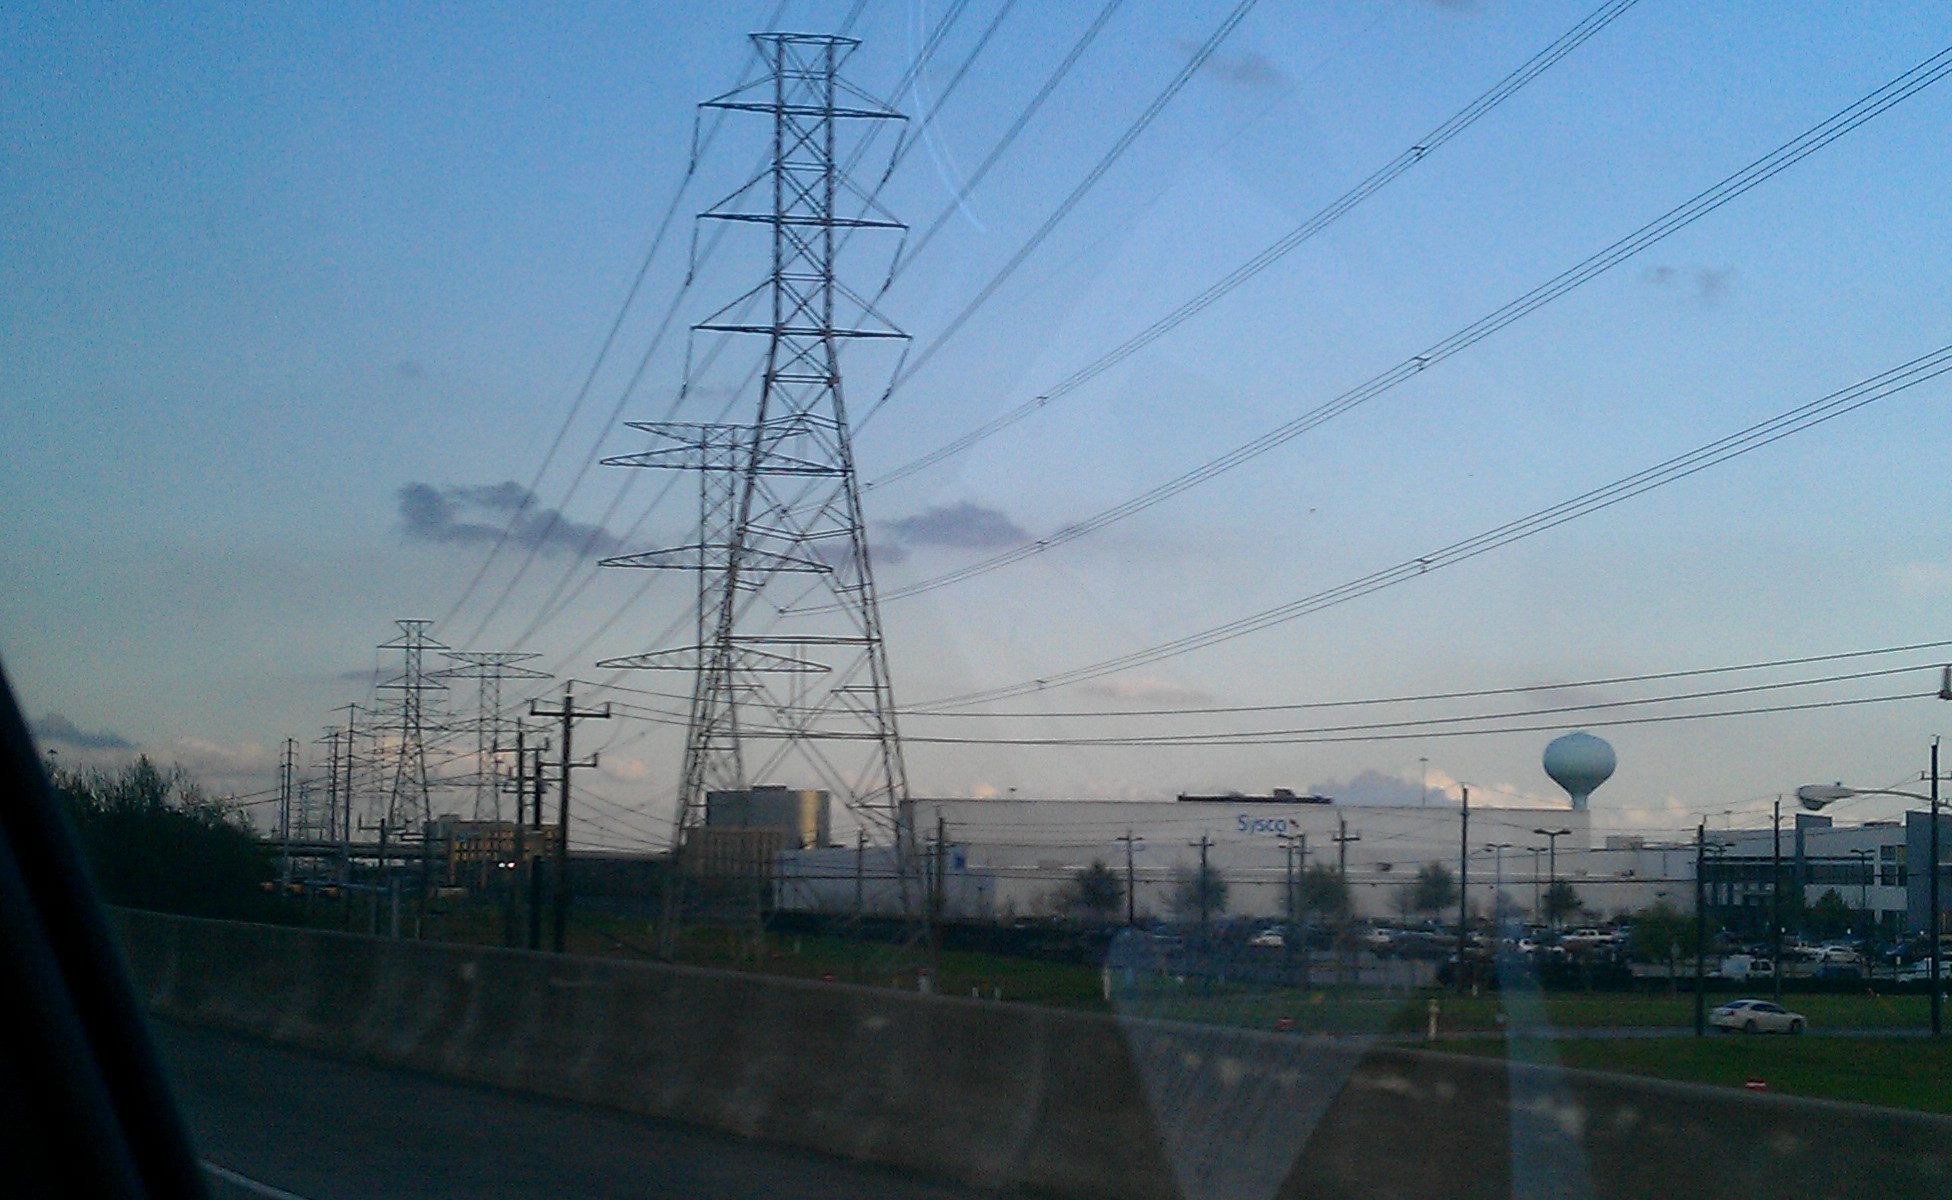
[
  {"x": 488, "y": 669},
  {"x": 408, "y": 809},
  {"x": 780, "y": 521},
  {"x": 409, "y": 805}
]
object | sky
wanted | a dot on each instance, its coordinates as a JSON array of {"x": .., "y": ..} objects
[{"x": 293, "y": 302}]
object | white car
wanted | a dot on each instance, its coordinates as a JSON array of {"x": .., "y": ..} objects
[
  {"x": 1268, "y": 939},
  {"x": 1921, "y": 972},
  {"x": 1756, "y": 1016}
]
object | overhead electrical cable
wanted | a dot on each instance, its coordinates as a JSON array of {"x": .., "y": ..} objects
[
  {"x": 698, "y": 148},
  {"x": 1796, "y": 149},
  {"x": 1382, "y": 177},
  {"x": 907, "y": 81},
  {"x": 1071, "y": 201},
  {"x": 1795, "y": 420},
  {"x": 1414, "y": 698}
]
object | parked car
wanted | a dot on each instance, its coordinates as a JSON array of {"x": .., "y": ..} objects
[
  {"x": 1756, "y": 1016},
  {"x": 1268, "y": 939},
  {"x": 1921, "y": 972}
]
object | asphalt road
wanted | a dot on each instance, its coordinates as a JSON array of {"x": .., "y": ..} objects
[{"x": 275, "y": 1123}]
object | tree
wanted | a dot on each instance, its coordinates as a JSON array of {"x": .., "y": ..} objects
[
  {"x": 1829, "y": 917},
  {"x": 1404, "y": 900},
  {"x": 1095, "y": 892},
  {"x": 1324, "y": 891},
  {"x": 1436, "y": 888},
  {"x": 154, "y": 840},
  {"x": 1560, "y": 901},
  {"x": 1660, "y": 931},
  {"x": 1199, "y": 893}
]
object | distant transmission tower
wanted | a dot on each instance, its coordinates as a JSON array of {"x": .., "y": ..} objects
[
  {"x": 488, "y": 669},
  {"x": 409, "y": 804},
  {"x": 802, "y": 701}
]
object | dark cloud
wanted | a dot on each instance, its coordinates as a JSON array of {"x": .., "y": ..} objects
[
  {"x": 474, "y": 514},
  {"x": 1707, "y": 284},
  {"x": 53, "y": 727},
  {"x": 963, "y": 526},
  {"x": 1249, "y": 69}
]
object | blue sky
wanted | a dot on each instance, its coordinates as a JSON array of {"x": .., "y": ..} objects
[{"x": 263, "y": 270}]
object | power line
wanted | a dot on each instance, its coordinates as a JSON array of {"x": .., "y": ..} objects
[
  {"x": 597, "y": 530},
  {"x": 1326, "y": 739},
  {"x": 1267, "y": 736},
  {"x": 1090, "y": 180},
  {"x": 609, "y": 341},
  {"x": 1877, "y": 102},
  {"x": 1010, "y": 135},
  {"x": 1416, "y": 698},
  {"x": 1796, "y": 420},
  {"x": 1388, "y": 173}
]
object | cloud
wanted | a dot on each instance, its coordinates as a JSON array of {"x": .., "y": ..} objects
[
  {"x": 53, "y": 727},
  {"x": 476, "y": 514},
  {"x": 1375, "y": 787},
  {"x": 1248, "y": 69},
  {"x": 1146, "y": 689},
  {"x": 962, "y": 526},
  {"x": 1707, "y": 284}
]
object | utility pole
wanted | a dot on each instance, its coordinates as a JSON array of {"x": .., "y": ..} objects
[
  {"x": 1538, "y": 913},
  {"x": 860, "y": 874},
  {"x": 1776, "y": 902},
  {"x": 285, "y": 789},
  {"x": 1346, "y": 956},
  {"x": 1463, "y": 886},
  {"x": 1203, "y": 883},
  {"x": 1295, "y": 845},
  {"x": 535, "y": 861},
  {"x": 1132, "y": 842},
  {"x": 511, "y": 920},
  {"x": 569, "y": 714},
  {"x": 1552, "y": 837},
  {"x": 1700, "y": 931}
]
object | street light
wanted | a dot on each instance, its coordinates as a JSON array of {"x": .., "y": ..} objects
[
  {"x": 1498, "y": 885},
  {"x": 1816, "y": 796}
]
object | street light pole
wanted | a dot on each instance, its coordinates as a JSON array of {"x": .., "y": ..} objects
[{"x": 1932, "y": 891}]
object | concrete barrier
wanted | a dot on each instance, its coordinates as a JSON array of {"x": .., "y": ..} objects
[{"x": 1013, "y": 1096}]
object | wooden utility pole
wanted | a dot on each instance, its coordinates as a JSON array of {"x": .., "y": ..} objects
[
  {"x": 535, "y": 860},
  {"x": 568, "y": 714},
  {"x": 512, "y": 917},
  {"x": 1131, "y": 841}
]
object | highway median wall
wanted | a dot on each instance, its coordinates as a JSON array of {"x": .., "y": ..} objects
[{"x": 1013, "y": 1096}]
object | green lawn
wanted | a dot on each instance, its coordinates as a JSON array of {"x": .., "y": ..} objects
[{"x": 1894, "y": 1072}]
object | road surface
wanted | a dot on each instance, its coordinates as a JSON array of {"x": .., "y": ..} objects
[{"x": 274, "y": 1123}]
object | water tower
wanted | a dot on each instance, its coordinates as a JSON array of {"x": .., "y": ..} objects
[{"x": 1579, "y": 762}]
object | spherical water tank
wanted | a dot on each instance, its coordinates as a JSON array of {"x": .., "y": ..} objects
[{"x": 1579, "y": 762}]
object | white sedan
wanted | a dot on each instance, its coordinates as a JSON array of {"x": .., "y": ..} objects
[{"x": 1756, "y": 1016}]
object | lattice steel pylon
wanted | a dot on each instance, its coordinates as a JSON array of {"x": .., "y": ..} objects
[
  {"x": 409, "y": 803},
  {"x": 804, "y": 700},
  {"x": 488, "y": 668}
]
